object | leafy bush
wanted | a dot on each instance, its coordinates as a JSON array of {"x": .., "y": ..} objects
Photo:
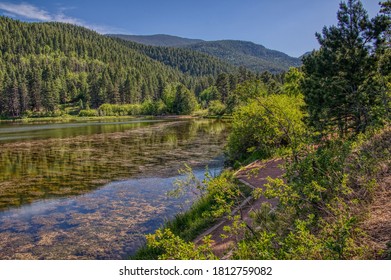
[
  {"x": 208, "y": 95},
  {"x": 216, "y": 108},
  {"x": 266, "y": 125},
  {"x": 119, "y": 110},
  {"x": 173, "y": 247},
  {"x": 149, "y": 107},
  {"x": 88, "y": 113}
]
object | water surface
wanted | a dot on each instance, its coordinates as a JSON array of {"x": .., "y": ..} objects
[
  {"x": 90, "y": 190},
  {"x": 108, "y": 223}
]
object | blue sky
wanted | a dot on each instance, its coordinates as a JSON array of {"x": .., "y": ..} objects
[{"x": 284, "y": 25}]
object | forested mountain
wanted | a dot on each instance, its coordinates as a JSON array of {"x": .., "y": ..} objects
[
  {"x": 43, "y": 65},
  {"x": 161, "y": 40},
  {"x": 185, "y": 60},
  {"x": 252, "y": 56},
  {"x": 238, "y": 53}
]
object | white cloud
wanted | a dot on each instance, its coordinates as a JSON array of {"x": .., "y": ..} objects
[
  {"x": 29, "y": 11},
  {"x": 63, "y": 18},
  {"x": 101, "y": 29},
  {"x": 26, "y": 10}
]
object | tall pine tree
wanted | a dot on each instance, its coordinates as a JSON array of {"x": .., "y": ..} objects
[{"x": 338, "y": 76}]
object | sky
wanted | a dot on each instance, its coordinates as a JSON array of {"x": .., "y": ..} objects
[{"x": 284, "y": 25}]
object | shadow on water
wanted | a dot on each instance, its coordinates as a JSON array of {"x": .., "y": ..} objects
[{"x": 43, "y": 219}]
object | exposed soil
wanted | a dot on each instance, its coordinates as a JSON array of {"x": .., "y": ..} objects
[
  {"x": 255, "y": 176},
  {"x": 378, "y": 224}
]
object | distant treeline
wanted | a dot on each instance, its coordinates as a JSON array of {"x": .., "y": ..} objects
[
  {"x": 49, "y": 69},
  {"x": 45, "y": 65}
]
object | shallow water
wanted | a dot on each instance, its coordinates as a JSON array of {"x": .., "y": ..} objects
[
  {"x": 94, "y": 194},
  {"x": 108, "y": 223}
]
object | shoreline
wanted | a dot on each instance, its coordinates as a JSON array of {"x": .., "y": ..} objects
[{"x": 98, "y": 118}]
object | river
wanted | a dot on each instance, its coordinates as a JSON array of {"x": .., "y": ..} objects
[{"x": 92, "y": 190}]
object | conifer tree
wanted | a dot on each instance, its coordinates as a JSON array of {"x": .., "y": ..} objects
[{"x": 337, "y": 76}]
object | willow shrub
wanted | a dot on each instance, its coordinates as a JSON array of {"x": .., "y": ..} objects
[
  {"x": 119, "y": 110},
  {"x": 88, "y": 113},
  {"x": 265, "y": 126}
]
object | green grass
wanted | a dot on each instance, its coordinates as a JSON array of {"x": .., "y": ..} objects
[{"x": 189, "y": 224}]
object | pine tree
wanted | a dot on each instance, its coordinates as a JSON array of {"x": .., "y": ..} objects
[
  {"x": 224, "y": 86},
  {"x": 13, "y": 98},
  {"x": 386, "y": 12},
  {"x": 337, "y": 75},
  {"x": 23, "y": 96},
  {"x": 35, "y": 90}
]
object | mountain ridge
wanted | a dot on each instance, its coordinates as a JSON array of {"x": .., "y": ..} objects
[
  {"x": 238, "y": 53},
  {"x": 185, "y": 60},
  {"x": 157, "y": 40},
  {"x": 254, "y": 56}
]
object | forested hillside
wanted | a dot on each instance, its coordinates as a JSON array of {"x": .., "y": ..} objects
[
  {"x": 187, "y": 61},
  {"x": 252, "y": 56},
  {"x": 237, "y": 53},
  {"x": 44, "y": 65},
  {"x": 159, "y": 40}
]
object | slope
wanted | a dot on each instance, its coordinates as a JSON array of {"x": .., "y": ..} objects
[
  {"x": 185, "y": 60},
  {"x": 237, "y": 53},
  {"x": 161, "y": 40},
  {"x": 252, "y": 56}
]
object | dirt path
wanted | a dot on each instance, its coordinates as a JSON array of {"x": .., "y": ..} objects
[{"x": 254, "y": 176}]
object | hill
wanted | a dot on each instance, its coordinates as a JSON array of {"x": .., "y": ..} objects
[
  {"x": 161, "y": 40},
  {"x": 237, "y": 53},
  {"x": 185, "y": 60},
  {"x": 250, "y": 55}
]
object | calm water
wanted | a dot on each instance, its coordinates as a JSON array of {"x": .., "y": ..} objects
[{"x": 91, "y": 190}]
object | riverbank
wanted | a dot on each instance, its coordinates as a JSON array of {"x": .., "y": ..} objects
[
  {"x": 72, "y": 118},
  {"x": 202, "y": 214},
  {"x": 255, "y": 177},
  {"x": 204, "y": 219},
  {"x": 332, "y": 204}
]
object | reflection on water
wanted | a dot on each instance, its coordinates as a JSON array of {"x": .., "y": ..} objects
[
  {"x": 40, "y": 216},
  {"x": 11, "y": 132},
  {"x": 108, "y": 223},
  {"x": 37, "y": 169}
]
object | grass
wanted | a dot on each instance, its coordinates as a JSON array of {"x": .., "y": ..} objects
[{"x": 189, "y": 224}]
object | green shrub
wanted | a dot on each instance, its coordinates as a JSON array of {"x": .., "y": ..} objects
[
  {"x": 88, "y": 113},
  {"x": 175, "y": 248},
  {"x": 265, "y": 126},
  {"x": 120, "y": 110},
  {"x": 149, "y": 107},
  {"x": 216, "y": 108}
]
